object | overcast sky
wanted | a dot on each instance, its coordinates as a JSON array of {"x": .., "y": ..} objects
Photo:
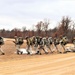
[{"x": 21, "y": 13}]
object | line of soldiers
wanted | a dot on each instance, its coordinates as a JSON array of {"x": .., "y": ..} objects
[
  {"x": 42, "y": 43},
  {"x": 39, "y": 43}
]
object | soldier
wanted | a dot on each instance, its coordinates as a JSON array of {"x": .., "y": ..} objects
[
  {"x": 40, "y": 43},
  {"x": 56, "y": 42},
  {"x": 18, "y": 42},
  {"x": 49, "y": 43},
  {"x": 73, "y": 41},
  {"x": 30, "y": 43},
  {"x": 1, "y": 43},
  {"x": 63, "y": 42}
]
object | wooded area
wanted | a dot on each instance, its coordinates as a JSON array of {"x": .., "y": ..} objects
[{"x": 66, "y": 27}]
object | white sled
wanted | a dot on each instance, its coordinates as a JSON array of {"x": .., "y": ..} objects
[
  {"x": 70, "y": 49},
  {"x": 24, "y": 51}
]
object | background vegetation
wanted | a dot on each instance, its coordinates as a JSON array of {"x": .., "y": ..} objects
[{"x": 65, "y": 27}]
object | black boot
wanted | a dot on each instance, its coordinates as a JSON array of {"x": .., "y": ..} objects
[
  {"x": 3, "y": 54},
  {"x": 37, "y": 52},
  {"x": 40, "y": 53},
  {"x": 51, "y": 52},
  {"x": 65, "y": 52},
  {"x": 46, "y": 52},
  {"x": 60, "y": 52},
  {"x": 17, "y": 51},
  {"x": 21, "y": 52},
  {"x": 28, "y": 53}
]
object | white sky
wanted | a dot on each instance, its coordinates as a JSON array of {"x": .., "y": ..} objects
[{"x": 20, "y": 13}]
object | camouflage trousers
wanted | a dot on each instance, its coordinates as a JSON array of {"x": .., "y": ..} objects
[
  {"x": 39, "y": 48},
  {"x": 1, "y": 51},
  {"x": 18, "y": 49}
]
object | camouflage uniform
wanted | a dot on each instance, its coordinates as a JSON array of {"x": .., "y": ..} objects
[
  {"x": 49, "y": 43},
  {"x": 63, "y": 42},
  {"x": 56, "y": 42},
  {"x": 40, "y": 43},
  {"x": 18, "y": 42},
  {"x": 1, "y": 43},
  {"x": 30, "y": 43},
  {"x": 73, "y": 41}
]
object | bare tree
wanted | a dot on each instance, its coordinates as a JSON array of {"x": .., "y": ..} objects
[
  {"x": 64, "y": 26},
  {"x": 38, "y": 28},
  {"x": 45, "y": 26},
  {"x": 42, "y": 27}
]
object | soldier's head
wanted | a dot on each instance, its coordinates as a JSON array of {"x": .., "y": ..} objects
[{"x": 26, "y": 37}]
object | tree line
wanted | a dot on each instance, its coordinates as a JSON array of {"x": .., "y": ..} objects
[{"x": 65, "y": 27}]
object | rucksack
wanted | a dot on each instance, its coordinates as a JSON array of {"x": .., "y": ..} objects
[{"x": 19, "y": 41}]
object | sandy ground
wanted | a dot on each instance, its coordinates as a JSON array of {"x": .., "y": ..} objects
[{"x": 45, "y": 64}]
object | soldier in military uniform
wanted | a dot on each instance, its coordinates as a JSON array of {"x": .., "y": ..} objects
[
  {"x": 18, "y": 42},
  {"x": 73, "y": 41},
  {"x": 40, "y": 43},
  {"x": 1, "y": 43},
  {"x": 63, "y": 42},
  {"x": 30, "y": 43},
  {"x": 49, "y": 43},
  {"x": 56, "y": 43}
]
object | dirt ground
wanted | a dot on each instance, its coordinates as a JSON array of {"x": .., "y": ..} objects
[{"x": 45, "y": 64}]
